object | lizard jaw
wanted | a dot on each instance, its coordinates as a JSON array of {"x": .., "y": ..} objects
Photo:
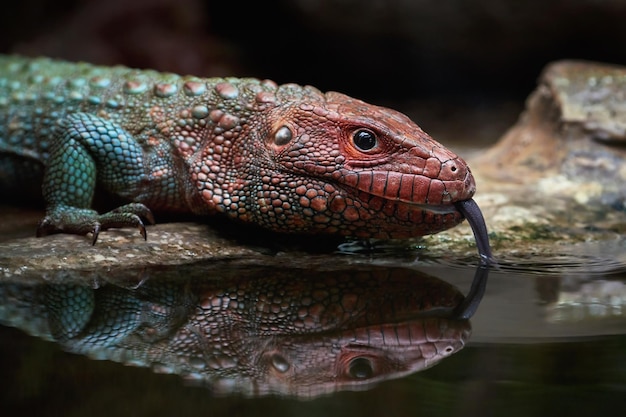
[{"x": 411, "y": 189}]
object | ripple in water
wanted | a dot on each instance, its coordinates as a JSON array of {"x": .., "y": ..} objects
[{"x": 591, "y": 259}]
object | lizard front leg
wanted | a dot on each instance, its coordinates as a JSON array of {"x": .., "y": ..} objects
[{"x": 85, "y": 149}]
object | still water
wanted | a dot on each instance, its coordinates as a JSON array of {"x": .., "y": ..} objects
[{"x": 362, "y": 335}]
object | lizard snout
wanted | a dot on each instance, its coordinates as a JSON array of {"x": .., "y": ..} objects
[{"x": 458, "y": 179}]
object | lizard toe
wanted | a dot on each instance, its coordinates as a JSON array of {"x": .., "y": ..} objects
[
  {"x": 119, "y": 219},
  {"x": 137, "y": 209},
  {"x": 95, "y": 233},
  {"x": 65, "y": 219},
  {"x": 45, "y": 227}
]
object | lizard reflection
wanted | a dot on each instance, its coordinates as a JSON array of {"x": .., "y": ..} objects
[{"x": 297, "y": 332}]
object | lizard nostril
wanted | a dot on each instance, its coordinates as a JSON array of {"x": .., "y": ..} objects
[{"x": 453, "y": 168}]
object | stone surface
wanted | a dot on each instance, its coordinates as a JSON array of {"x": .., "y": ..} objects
[
  {"x": 168, "y": 243},
  {"x": 559, "y": 174}
]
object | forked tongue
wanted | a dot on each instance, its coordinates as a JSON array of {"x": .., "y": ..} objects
[{"x": 475, "y": 218}]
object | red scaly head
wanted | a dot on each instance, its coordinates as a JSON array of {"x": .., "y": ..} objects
[{"x": 328, "y": 163}]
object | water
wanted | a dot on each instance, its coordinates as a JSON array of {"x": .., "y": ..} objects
[{"x": 548, "y": 337}]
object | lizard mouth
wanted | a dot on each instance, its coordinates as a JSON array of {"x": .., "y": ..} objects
[
  {"x": 432, "y": 208},
  {"x": 442, "y": 209},
  {"x": 415, "y": 191}
]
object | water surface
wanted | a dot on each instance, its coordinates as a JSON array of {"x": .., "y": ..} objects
[{"x": 548, "y": 337}]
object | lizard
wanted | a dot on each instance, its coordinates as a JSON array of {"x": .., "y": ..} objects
[
  {"x": 296, "y": 331},
  {"x": 288, "y": 157}
]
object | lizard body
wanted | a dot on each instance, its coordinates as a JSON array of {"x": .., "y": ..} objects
[{"x": 288, "y": 158}]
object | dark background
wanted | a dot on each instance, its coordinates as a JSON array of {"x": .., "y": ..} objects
[{"x": 468, "y": 52}]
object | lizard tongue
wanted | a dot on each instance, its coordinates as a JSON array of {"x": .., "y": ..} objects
[{"x": 472, "y": 213}]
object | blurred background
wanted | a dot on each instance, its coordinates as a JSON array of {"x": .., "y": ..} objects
[{"x": 459, "y": 67}]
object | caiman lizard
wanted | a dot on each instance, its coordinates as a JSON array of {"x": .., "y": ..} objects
[{"x": 288, "y": 158}]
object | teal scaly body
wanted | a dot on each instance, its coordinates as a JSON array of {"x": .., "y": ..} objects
[{"x": 288, "y": 158}]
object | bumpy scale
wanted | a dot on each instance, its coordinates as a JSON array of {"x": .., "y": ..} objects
[{"x": 288, "y": 158}]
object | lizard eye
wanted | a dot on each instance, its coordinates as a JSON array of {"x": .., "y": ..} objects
[
  {"x": 282, "y": 136},
  {"x": 361, "y": 368},
  {"x": 280, "y": 363},
  {"x": 364, "y": 139}
]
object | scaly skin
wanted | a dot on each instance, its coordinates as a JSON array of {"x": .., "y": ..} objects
[
  {"x": 298, "y": 332},
  {"x": 287, "y": 158}
]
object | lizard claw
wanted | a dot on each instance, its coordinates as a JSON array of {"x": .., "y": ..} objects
[
  {"x": 44, "y": 227},
  {"x": 137, "y": 209},
  {"x": 95, "y": 232},
  {"x": 128, "y": 215},
  {"x": 65, "y": 219},
  {"x": 142, "y": 230}
]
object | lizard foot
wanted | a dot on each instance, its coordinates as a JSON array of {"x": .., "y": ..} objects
[{"x": 65, "y": 219}]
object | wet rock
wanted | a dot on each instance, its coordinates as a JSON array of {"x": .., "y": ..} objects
[
  {"x": 558, "y": 174},
  {"x": 167, "y": 244},
  {"x": 574, "y": 126}
]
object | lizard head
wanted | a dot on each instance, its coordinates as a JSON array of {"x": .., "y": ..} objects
[{"x": 328, "y": 163}]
